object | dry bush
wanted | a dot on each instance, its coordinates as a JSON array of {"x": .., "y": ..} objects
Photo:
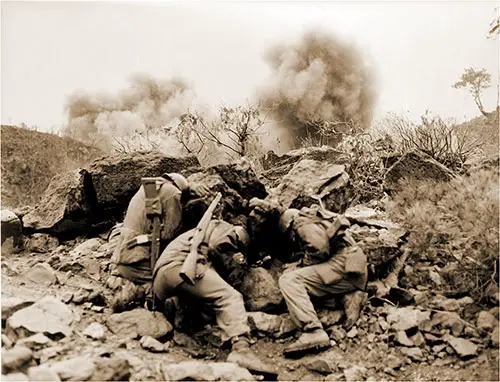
[{"x": 457, "y": 222}]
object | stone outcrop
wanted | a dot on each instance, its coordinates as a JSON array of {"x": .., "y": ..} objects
[{"x": 12, "y": 232}]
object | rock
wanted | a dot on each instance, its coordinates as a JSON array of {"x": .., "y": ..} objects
[
  {"x": 205, "y": 371},
  {"x": 86, "y": 249},
  {"x": 330, "y": 317},
  {"x": 42, "y": 373},
  {"x": 418, "y": 166},
  {"x": 92, "y": 268},
  {"x": 74, "y": 369},
  {"x": 309, "y": 179},
  {"x": 494, "y": 337},
  {"x": 190, "y": 345},
  {"x": 95, "y": 331},
  {"x": 111, "y": 369},
  {"x": 338, "y": 333},
  {"x": 48, "y": 353},
  {"x": 263, "y": 322},
  {"x": 402, "y": 339},
  {"x": 352, "y": 333},
  {"x": 486, "y": 321},
  {"x": 16, "y": 358},
  {"x": 416, "y": 354},
  {"x": 11, "y": 232},
  {"x": 463, "y": 347},
  {"x": 435, "y": 277},
  {"x": 6, "y": 341},
  {"x": 15, "y": 377},
  {"x": 320, "y": 366},
  {"x": 418, "y": 339},
  {"x": 393, "y": 362},
  {"x": 35, "y": 342},
  {"x": 10, "y": 305},
  {"x": 448, "y": 320},
  {"x": 355, "y": 373},
  {"x": 287, "y": 326},
  {"x": 335, "y": 377},
  {"x": 42, "y": 274},
  {"x": 48, "y": 316},
  {"x": 260, "y": 290},
  {"x": 155, "y": 346},
  {"x": 438, "y": 348},
  {"x": 440, "y": 302},
  {"x": 406, "y": 318},
  {"x": 41, "y": 242},
  {"x": 139, "y": 322}
]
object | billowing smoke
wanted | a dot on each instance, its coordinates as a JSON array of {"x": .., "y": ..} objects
[
  {"x": 130, "y": 119},
  {"x": 319, "y": 79}
]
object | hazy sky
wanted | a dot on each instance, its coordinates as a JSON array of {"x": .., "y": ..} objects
[{"x": 419, "y": 49}]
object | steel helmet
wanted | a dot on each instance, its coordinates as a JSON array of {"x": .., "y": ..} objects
[
  {"x": 286, "y": 218},
  {"x": 179, "y": 180}
]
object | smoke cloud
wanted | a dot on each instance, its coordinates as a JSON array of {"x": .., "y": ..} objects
[
  {"x": 132, "y": 117},
  {"x": 319, "y": 78}
]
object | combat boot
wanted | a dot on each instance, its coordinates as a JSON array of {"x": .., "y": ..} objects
[
  {"x": 316, "y": 339},
  {"x": 244, "y": 357},
  {"x": 353, "y": 304}
]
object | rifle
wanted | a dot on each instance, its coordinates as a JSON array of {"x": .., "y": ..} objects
[
  {"x": 188, "y": 269},
  {"x": 153, "y": 212}
]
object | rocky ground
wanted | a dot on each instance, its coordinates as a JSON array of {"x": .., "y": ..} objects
[{"x": 57, "y": 323}]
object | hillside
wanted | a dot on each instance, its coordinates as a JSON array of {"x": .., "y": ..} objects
[{"x": 30, "y": 159}]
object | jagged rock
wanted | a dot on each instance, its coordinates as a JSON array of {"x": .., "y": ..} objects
[
  {"x": 320, "y": 366},
  {"x": 139, "y": 322},
  {"x": 48, "y": 353},
  {"x": 463, "y": 347},
  {"x": 15, "y": 377},
  {"x": 42, "y": 373},
  {"x": 35, "y": 342},
  {"x": 393, "y": 362},
  {"x": 263, "y": 322},
  {"x": 495, "y": 312},
  {"x": 406, "y": 318},
  {"x": 74, "y": 369},
  {"x": 6, "y": 341},
  {"x": 86, "y": 249},
  {"x": 11, "y": 232},
  {"x": 337, "y": 333},
  {"x": 486, "y": 321},
  {"x": 277, "y": 166},
  {"x": 355, "y": 373},
  {"x": 309, "y": 179},
  {"x": 42, "y": 274},
  {"x": 440, "y": 302},
  {"x": 438, "y": 348},
  {"x": 48, "y": 316},
  {"x": 435, "y": 277},
  {"x": 415, "y": 165},
  {"x": 155, "y": 346},
  {"x": 205, "y": 371},
  {"x": 260, "y": 290},
  {"x": 402, "y": 339},
  {"x": 95, "y": 331},
  {"x": 495, "y": 337},
  {"x": 330, "y": 317},
  {"x": 287, "y": 326},
  {"x": 41, "y": 242},
  {"x": 418, "y": 339},
  {"x": 16, "y": 358},
  {"x": 352, "y": 333},
  {"x": 448, "y": 320},
  {"x": 10, "y": 305},
  {"x": 111, "y": 369},
  {"x": 416, "y": 354}
]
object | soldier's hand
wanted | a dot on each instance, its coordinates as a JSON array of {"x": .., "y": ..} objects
[{"x": 200, "y": 189}]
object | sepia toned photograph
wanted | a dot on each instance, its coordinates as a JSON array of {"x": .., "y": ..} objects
[{"x": 250, "y": 190}]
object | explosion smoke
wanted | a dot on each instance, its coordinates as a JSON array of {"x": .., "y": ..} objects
[
  {"x": 319, "y": 79},
  {"x": 143, "y": 109}
]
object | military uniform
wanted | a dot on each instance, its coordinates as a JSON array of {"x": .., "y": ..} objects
[{"x": 331, "y": 264}]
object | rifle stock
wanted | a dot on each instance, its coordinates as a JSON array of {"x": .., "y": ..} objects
[{"x": 188, "y": 269}]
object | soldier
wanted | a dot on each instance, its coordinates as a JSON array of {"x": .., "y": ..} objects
[
  {"x": 132, "y": 254},
  {"x": 329, "y": 264},
  {"x": 220, "y": 254}
]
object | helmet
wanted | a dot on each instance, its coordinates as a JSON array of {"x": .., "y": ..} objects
[
  {"x": 286, "y": 218},
  {"x": 242, "y": 235},
  {"x": 177, "y": 179}
]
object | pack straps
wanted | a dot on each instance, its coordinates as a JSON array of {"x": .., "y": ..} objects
[{"x": 154, "y": 213}]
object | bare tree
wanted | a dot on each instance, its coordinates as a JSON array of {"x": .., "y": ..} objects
[{"x": 475, "y": 81}]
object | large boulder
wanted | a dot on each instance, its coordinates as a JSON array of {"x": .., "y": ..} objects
[
  {"x": 415, "y": 165},
  {"x": 138, "y": 323},
  {"x": 89, "y": 200},
  {"x": 260, "y": 290},
  {"x": 310, "y": 180},
  {"x": 12, "y": 232}
]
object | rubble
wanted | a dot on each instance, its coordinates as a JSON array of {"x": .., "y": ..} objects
[
  {"x": 75, "y": 369},
  {"x": 486, "y": 321},
  {"x": 42, "y": 274},
  {"x": 139, "y": 322},
  {"x": 95, "y": 331},
  {"x": 205, "y": 371},
  {"x": 463, "y": 347},
  {"x": 41, "y": 243}
]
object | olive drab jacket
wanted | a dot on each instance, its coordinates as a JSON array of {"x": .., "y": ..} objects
[
  {"x": 133, "y": 249},
  {"x": 320, "y": 238},
  {"x": 221, "y": 242}
]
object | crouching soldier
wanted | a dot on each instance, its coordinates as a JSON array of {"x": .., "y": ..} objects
[
  {"x": 154, "y": 217},
  {"x": 221, "y": 241},
  {"x": 330, "y": 263}
]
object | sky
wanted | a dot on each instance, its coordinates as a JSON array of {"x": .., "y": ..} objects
[{"x": 417, "y": 49}]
